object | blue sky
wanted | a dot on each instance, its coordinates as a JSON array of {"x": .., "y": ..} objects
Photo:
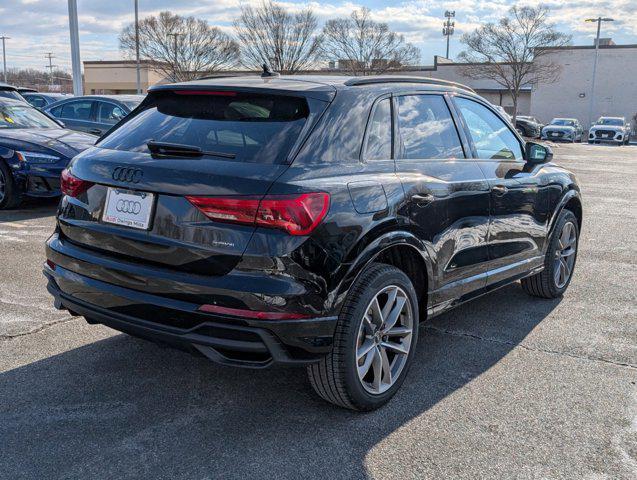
[{"x": 40, "y": 26}]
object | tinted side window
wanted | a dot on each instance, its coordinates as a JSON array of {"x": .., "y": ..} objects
[
  {"x": 36, "y": 101},
  {"x": 379, "y": 132},
  {"x": 109, "y": 113},
  {"x": 426, "y": 128},
  {"x": 76, "y": 110},
  {"x": 491, "y": 136}
]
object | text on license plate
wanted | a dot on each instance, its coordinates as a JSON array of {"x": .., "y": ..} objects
[{"x": 128, "y": 208}]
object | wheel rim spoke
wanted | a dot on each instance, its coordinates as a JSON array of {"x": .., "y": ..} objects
[
  {"x": 386, "y": 367},
  {"x": 395, "y": 313},
  {"x": 365, "y": 348},
  {"x": 378, "y": 370},
  {"x": 367, "y": 363},
  {"x": 395, "y": 347}
]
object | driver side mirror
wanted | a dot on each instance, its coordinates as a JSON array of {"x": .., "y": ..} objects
[{"x": 537, "y": 153}]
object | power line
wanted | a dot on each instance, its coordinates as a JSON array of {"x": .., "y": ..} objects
[{"x": 50, "y": 66}]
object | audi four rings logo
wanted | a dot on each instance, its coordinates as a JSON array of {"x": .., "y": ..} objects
[
  {"x": 127, "y": 174},
  {"x": 128, "y": 206}
]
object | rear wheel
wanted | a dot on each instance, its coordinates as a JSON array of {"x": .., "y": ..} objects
[
  {"x": 9, "y": 196},
  {"x": 374, "y": 342},
  {"x": 560, "y": 259}
]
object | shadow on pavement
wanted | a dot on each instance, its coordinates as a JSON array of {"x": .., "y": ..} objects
[
  {"x": 31, "y": 208},
  {"x": 124, "y": 408}
]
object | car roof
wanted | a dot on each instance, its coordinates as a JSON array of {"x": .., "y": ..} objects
[
  {"x": 6, "y": 86},
  {"x": 11, "y": 101},
  {"x": 613, "y": 118},
  {"x": 120, "y": 98},
  {"x": 310, "y": 83},
  {"x": 564, "y": 118}
]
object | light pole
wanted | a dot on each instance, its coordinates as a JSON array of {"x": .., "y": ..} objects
[
  {"x": 139, "y": 80},
  {"x": 591, "y": 102},
  {"x": 4, "y": 58},
  {"x": 78, "y": 90},
  {"x": 448, "y": 27}
]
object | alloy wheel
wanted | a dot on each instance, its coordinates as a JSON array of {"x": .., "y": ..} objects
[
  {"x": 565, "y": 254},
  {"x": 384, "y": 339},
  {"x": 3, "y": 185}
]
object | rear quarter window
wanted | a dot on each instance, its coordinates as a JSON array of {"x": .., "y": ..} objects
[{"x": 253, "y": 127}]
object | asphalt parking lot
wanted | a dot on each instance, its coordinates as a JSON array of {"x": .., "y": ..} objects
[{"x": 504, "y": 387}]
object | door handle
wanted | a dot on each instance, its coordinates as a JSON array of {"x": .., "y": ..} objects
[
  {"x": 499, "y": 190},
  {"x": 95, "y": 131},
  {"x": 422, "y": 200}
]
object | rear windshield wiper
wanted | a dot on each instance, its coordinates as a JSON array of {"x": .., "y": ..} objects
[{"x": 163, "y": 149}]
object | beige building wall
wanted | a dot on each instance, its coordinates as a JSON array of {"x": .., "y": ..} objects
[
  {"x": 118, "y": 77},
  {"x": 615, "y": 84}
]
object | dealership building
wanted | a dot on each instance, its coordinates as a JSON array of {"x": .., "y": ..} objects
[{"x": 568, "y": 96}]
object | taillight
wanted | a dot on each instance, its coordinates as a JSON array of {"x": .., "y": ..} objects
[
  {"x": 295, "y": 214},
  {"x": 73, "y": 186}
]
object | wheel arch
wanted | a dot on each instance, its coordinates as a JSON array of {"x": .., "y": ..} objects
[{"x": 404, "y": 251}]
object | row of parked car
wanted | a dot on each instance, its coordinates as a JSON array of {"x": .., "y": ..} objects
[
  {"x": 41, "y": 132},
  {"x": 603, "y": 130}
]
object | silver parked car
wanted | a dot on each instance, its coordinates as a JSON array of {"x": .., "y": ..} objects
[
  {"x": 610, "y": 129},
  {"x": 563, "y": 129}
]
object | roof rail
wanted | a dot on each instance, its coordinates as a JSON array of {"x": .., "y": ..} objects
[{"x": 405, "y": 79}]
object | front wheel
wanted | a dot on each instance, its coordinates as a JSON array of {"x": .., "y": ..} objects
[
  {"x": 374, "y": 342},
  {"x": 9, "y": 195},
  {"x": 559, "y": 263}
]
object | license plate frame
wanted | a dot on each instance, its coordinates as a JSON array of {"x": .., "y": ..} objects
[{"x": 129, "y": 208}]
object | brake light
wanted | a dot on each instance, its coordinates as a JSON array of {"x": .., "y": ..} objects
[
  {"x": 239, "y": 312},
  {"x": 295, "y": 214},
  {"x": 73, "y": 186},
  {"x": 205, "y": 92}
]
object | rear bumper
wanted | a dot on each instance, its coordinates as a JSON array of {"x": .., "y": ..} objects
[{"x": 223, "y": 339}]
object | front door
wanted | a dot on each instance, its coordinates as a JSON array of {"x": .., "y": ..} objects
[
  {"x": 447, "y": 195},
  {"x": 519, "y": 193}
]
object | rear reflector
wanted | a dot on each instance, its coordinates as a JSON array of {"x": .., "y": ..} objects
[
  {"x": 50, "y": 264},
  {"x": 238, "y": 312},
  {"x": 295, "y": 214},
  {"x": 73, "y": 186}
]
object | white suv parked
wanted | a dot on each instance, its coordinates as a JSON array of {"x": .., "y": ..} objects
[{"x": 610, "y": 129}]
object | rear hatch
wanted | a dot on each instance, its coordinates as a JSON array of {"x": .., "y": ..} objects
[{"x": 141, "y": 193}]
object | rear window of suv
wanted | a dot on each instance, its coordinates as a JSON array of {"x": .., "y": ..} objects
[{"x": 252, "y": 127}]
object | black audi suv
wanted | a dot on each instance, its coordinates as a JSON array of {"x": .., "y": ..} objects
[{"x": 308, "y": 220}]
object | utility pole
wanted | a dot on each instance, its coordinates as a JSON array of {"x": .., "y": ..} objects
[
  {"x": 448, "y": 27},
  {"x": 139, "y": 80},
  {"x": 591, "y": 102},
  {"x": 50, "y": 66},
  {"x": 175, "y": 36},
  {"x": 78, "y": 89},
  {"x": 4, "y": 58}
]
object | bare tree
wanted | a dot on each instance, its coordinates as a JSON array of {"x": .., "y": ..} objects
[
  {"x": 365, "y": 47},
  {"x": 271, "y": 35},
  {"x": 510, "y": 52},
  {"x": 182, "y": 48}
]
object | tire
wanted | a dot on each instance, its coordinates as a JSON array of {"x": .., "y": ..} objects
[
  {"x": 336, "y": 377},
  {"x": 9, "y": 195},
  {"x": 547, "y": 283}
]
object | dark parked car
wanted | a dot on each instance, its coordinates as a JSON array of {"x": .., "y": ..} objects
[
  {"x": 528, "y": 127},
  {"x": 308, "y": 220},
  {"x": 34, "y": 149},
  {"x": 94, "y": 114},
  {"x": 42, "y": 100},
  {"x": 9, "y": 91}
]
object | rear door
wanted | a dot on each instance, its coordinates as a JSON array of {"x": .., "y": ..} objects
[
  {"x": 247, "y": 140},
  {"x": 519, "y": 193},
  {"x": 447, "y": 194},
  {"x": 76, "y": 114}
]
